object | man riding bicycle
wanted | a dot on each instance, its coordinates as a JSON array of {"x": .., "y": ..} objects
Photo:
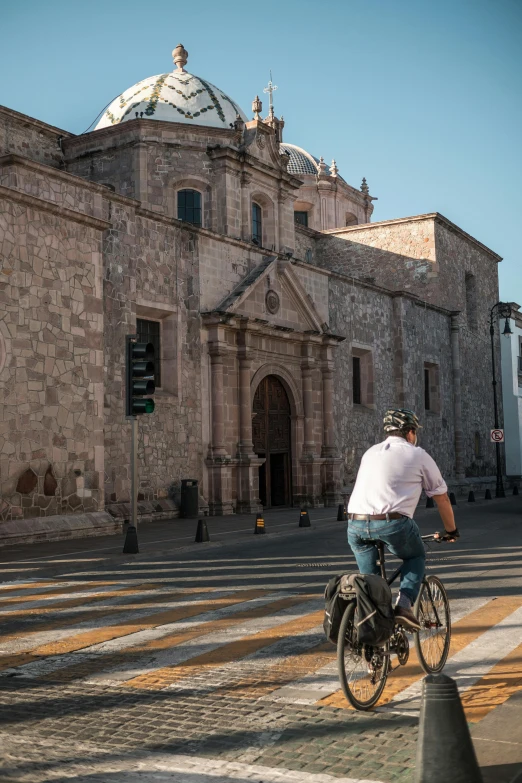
[{"x": 389, "y": 483}]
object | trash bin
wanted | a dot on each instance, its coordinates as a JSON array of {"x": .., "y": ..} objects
[{"x": 189, "y": 499}]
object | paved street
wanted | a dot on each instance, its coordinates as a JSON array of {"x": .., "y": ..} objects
[{"x": 207, "y": 663}]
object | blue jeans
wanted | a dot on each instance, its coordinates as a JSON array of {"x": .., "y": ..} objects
[{"x": 402, "y": 538}]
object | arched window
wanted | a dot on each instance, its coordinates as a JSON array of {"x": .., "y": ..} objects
[
  {"x": 351, "y": 219},
  {"x": 189, "y": 206},
  {"x": 257, "y": 224}
]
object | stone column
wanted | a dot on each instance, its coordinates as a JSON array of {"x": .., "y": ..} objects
[
  {"x": 308, "y": 445},
  {"x": 245, "y": 406},
  {"x": 457, "y": 397},
  {"x": 328, "y": 417},
  {"x": 217, "y": 394}
]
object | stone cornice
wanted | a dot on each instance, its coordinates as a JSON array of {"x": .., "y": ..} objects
[
  {"x": 53, "y": 209},
  {"x": 26, "y": 120},
  {"x": 436, "y": 217},
  {"x": 240, "y": 158},
  {"x": 12, "y": 159}
]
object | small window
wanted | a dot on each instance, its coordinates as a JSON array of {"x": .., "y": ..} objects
[
  {"x": 427, "y": 389},
  {"x": 351, "y": 219},
  {"x": 301, "y": 218},
  {"x": 189, "y": 206},
  {"x": 356, "y": 379},
  {"x": 149, "y": 332},
  {"x": 257, "y": 224},
  {"x": 431, "y": 387}
]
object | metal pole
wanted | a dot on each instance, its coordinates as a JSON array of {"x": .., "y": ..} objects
[
  {"x": 499, "y": 490},
  {"x": 134, "y": 473}
]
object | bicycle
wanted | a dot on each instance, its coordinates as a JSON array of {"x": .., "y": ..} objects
[{"x": 363, "y": 670}]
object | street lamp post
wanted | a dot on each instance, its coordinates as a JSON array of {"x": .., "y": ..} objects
[{"x": 503, "y": 310}]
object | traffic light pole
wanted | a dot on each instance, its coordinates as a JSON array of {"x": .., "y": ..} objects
[
  {"x": 134, "y": 472},
  {"x": 139, "y": 385},
  {"x": 131, "y": 539}
]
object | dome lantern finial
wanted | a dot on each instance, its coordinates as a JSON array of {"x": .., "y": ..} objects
[
  {"x": 180, "y": 57},
  {"x": 364, "y": 187}
]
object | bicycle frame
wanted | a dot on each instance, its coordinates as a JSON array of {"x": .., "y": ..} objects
[{"x": 393, "y": 577}]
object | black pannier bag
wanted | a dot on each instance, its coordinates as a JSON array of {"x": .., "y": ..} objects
[
  {"x": 334, "y": 606},
  {"x": 374, "y": 618}
]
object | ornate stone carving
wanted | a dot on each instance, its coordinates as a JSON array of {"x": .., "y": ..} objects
[
  {"x": 272, "y": 301},
  {"x": 257, "y": 107},
  {"x": 260, "y": 141}
]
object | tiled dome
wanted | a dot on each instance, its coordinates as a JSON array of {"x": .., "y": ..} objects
[
  {"x": 178, "y": 96},
  {"x": 301, "y": 162}
]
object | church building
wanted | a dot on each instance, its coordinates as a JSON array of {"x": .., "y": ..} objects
[{"x": 285, "y": 321}]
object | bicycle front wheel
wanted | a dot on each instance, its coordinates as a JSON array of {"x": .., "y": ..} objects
[
  {"x": 432, "y": 610},
  {"x": 362, "y": 669}
]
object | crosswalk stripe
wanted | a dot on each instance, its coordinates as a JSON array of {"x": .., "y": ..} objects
[
  {"x": 59, "y": 603},
  {"x": 497, "y": 686},
  {"x": 464, "y": 632},
  {"x": 184, "y": 641},
  {"x": 21, "y": 586},
  {"x": 112, "y": 608},
  {"x": 123, "y": 628},
  {"x": 268, "y": 680},
  {"x": 49, "y": 594},
  {"x": 240, "y": 646},
  {"x": 130, "y": 651}
]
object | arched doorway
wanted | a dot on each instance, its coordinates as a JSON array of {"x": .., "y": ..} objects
[{"x": 271, "y": 436}]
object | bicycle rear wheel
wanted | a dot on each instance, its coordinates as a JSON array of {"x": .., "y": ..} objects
[
  {"x": 432, "y": 610},
  {"x": 362, "y": 669}
]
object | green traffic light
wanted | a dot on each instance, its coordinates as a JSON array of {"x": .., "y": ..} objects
[{"x": 142, "y": 406}]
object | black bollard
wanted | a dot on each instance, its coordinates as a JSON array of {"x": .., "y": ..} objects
[
  {"x": 443, "y": 725},
  {"x": 515, "y": 489},
  {"x": 453, "y": 499},
  {"x": 487, "y": 495},
  {"x": 202, "y": 532},
  {"x": 130, "y": 547},
  {"x": 260, "y": 525},
  {"x": 430, "y": 503},
  {"x": 341, "y": 516},
  {"x": 471, "y": 496},
  {"x": 304, "y": 518}
]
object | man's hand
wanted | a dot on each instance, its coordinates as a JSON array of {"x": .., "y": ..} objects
[{"x": 448, "y": 535}]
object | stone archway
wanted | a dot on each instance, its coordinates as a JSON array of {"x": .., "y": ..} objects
[{"x": 271, "y": 434}]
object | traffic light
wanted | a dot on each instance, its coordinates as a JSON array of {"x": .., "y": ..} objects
[{"x": 139, "y": 376}]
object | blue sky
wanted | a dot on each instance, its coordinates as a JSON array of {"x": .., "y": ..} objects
[{"x": 422, "y": 98}]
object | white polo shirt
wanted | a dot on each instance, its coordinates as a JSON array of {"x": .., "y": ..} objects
[{"x": 391, "y": 478}]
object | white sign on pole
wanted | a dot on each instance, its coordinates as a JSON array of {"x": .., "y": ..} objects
[{"x": 497, "y": 436}]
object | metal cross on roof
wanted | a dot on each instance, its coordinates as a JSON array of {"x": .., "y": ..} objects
[{"x": 270, "y": 89}]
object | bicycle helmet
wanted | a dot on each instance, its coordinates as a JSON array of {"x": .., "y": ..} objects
[{"x": 400, "y": 419}]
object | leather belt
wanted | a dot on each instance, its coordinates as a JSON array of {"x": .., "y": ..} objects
[{"x": 394, "y": 515}]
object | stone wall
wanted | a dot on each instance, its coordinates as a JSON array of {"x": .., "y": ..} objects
[
  {"x": 466, "y": 258},
  {"x": 51, "y": 320},
  {"x": 23, "y": 135},
  {"x": 151, "y": 271}
]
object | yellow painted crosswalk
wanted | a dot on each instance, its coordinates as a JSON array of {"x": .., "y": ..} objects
[{"x": 254, "y": 643}]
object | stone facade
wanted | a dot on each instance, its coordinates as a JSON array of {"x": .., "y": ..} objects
[{"x": 90, "y": 242}]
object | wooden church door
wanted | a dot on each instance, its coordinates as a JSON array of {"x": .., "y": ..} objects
[{"x": 271, "y": 436}]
